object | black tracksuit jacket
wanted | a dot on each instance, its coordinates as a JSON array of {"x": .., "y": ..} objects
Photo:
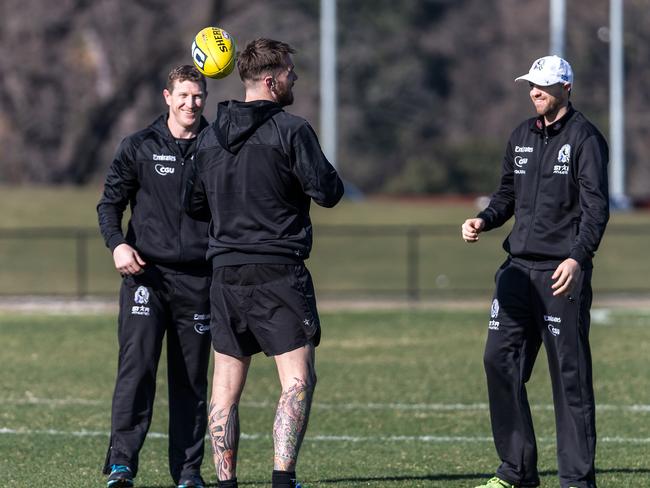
[
  {"x": 149, "y": 173},
  {"x": 554, "y": 181},
  {"x": 257, "y": 170}
]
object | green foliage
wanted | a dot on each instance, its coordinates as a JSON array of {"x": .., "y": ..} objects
[
  {"x": 422, "y": 84},
  {"x": 473, "y": 168}
]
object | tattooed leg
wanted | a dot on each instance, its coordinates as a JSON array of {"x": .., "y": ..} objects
[
  {"x": 223, "y": 419},
  {"x": 292, "y": 415},
  {"x": 224, "y": 436}
]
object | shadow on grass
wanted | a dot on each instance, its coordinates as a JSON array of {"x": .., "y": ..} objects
[
  {"x": 424, "y": 477},
  {"x": 461, "y": 476},
  {"x": 427, "y": 477}
]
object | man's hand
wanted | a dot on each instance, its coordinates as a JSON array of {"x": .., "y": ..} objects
[
  {"x": 566, "y": 275},
  {"x": 471, "y": 228},
  {"x": 127, "y": 260}
]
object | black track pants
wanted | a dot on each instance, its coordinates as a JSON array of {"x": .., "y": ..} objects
[
  {"x": 151, "y": 304},
  {"x": 524, "y": 314}
]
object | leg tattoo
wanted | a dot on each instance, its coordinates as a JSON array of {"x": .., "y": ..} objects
[
  {"x": 290, "y": 423},
  {"x": 224, "y": 436}
]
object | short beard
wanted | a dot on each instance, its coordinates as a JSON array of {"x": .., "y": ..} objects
[{"x": 285, "y": 98}]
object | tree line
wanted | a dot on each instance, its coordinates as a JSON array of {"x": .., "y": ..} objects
[{"x": 426, "y": 91}]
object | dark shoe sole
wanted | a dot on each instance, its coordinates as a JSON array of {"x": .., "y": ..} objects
[{"x": 120, "y": 484}]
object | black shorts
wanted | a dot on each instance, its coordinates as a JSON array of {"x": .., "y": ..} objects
[{"x": 263, "y": 307}]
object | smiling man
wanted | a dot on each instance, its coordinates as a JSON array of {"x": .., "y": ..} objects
[
  {"x": 554, "y": 182},
  {"x": 165, "y": 285}
]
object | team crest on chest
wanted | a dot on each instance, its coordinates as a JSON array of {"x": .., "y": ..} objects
[{"x": 563, "y": 158}]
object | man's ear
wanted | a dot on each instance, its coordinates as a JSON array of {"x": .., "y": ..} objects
[{"x": 269, "y": 81}]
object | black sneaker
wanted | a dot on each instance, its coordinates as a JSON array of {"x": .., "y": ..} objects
[
  {"x": 192, "y": 481},
  {"x": 120, "y": 477}
]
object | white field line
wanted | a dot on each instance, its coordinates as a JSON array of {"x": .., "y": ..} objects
[
  {"x": 436, "y": 407},
  {"x": 322, "y": 438}
]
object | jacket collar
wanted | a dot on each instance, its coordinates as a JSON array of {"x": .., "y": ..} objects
[
  {"x": 160, "y": 126},
  {"x": 537, "y": 124}
]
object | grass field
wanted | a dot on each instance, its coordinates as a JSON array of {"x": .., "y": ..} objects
[
  {"x": 356, "y": 260},
  {"x": 400, "y": 403}
]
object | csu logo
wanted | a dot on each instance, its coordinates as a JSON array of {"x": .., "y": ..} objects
[
  {"x": 520, "y": 162},
  {"x": 163, "y": 170},
  {"x": 201, "y": 328}
]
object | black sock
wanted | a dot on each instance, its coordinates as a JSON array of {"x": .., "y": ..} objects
[
  {"x": 284, "y": 479},
  {"x": 227, "y": 483}
]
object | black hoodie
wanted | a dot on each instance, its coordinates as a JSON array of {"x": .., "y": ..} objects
[
  {"x": 148, "y": 173},
  {"x": 554, "y": 181},
  {"x": 257, "y": 169}
]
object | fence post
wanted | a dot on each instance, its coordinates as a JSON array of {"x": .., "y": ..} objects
[
  {"x": 82, "y": 264},
  {"x": 413, "y": 263}
]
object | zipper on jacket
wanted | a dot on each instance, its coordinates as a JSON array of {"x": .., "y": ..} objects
[
  {"x": 540, "y": 168},
  {"x": 181, "y": 210}
]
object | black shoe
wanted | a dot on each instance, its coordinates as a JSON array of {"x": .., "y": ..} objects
[
  {"x": 120, "y": 477},
  {"x": 192, "y": 481}
]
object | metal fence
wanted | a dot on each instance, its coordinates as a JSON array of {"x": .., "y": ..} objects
[{"x": 413, "y": 262}]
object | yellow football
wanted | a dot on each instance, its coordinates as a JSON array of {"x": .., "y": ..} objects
[{"x": 213, "y": 52}]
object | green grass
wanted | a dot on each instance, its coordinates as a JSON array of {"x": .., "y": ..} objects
[
  {"x": 343, "y": 263},
  {"x": 382, "y": 375}
]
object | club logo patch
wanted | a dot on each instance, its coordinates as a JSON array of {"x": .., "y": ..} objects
[
  {"x": 494, "y": 313},
  {"x": 141, "y": 296},
  {"x": 563, "y": 157}
]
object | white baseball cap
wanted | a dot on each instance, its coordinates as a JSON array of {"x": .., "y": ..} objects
[{"x": 548, "y": 71}]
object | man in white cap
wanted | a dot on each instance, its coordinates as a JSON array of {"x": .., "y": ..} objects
[{"x": 554, "y": 182}]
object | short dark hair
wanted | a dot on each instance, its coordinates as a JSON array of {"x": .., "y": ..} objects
[
  {"x": 185, "y": 72},
  {"x": 262, "y": 56}
]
